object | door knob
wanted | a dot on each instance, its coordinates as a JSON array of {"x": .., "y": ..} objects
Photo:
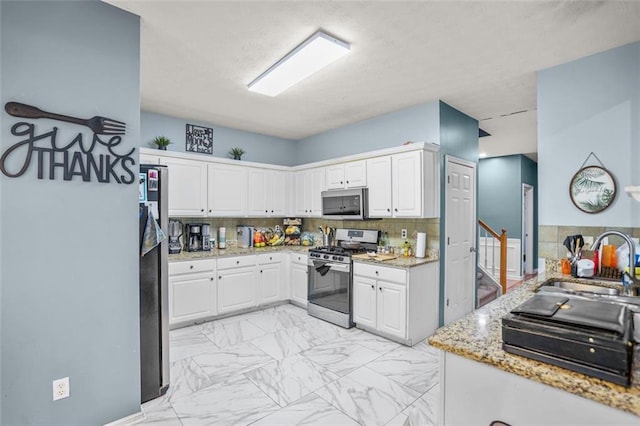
[{"x": 473, "y": 249}]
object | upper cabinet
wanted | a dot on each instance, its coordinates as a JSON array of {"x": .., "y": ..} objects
[
  {"x": 308, "y": 187},
  {"x": 227, "y": 190},
  {"x": 404, "y": 185},
  {"x": 266, "y": 191},
  {"x": 346, "y": 175},
  {"x": 187, "y": 186}
]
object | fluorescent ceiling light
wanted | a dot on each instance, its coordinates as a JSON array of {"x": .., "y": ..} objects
[{"x": 311, "y": 56}]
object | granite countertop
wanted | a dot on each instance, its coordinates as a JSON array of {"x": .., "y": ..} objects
[
  {"x": 233, "y": 251},
  {"x": 401, "y": 261},
  {"x": 478, "y": 337}
]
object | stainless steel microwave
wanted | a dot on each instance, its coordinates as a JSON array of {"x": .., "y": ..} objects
[{"x": 346, "y": 204}]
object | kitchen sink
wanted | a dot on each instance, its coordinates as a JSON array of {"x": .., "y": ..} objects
[{"x": 571, "y": 287}]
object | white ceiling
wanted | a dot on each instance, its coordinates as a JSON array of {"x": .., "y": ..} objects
[{"x": 478, "y": 56}]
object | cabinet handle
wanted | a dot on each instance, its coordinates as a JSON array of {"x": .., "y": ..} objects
[
  {"x": 380, "y": 288},
  {"x": 376, "y": 272},
  {"x": 341, "y": 182},
  {"x": 209, "y": 210},
  {"x": 266, "y": 211},
  {"x": 271, "y": 211},
  {"x": 237, "y": 262},
  {"x": 261, "y": 271},
  {"x": 190, "y": 266},
  {"x": 270, "y": 258},
  {"x": 347, "y": 182},
  {"x": 211, "y": 278},
  {"x": 202, "y": 210},
  {"x": 373, "y": 286},
  {"x": 219, "y": 277},
  {"x": 388, "y": 210},
  {"x": 396, "y": 209}
]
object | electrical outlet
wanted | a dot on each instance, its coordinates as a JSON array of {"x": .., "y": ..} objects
[
  {"x": 403, "y": 233},
  {"x": 61, "y": 388}
]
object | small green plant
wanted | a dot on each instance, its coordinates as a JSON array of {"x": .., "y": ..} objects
[
  {"x": 236, "y": 153},
  {"x": 162, "y": 142}
]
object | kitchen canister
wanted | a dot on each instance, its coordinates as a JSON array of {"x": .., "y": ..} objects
[
  {"x": 222, "y": 237},
  {"x": 421, "y": 244}
]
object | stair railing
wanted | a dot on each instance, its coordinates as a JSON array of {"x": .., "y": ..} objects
[{"x": 489, "y": 234}]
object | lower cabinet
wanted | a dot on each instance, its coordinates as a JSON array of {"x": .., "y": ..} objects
[
  {"x": 269, "y": 278},
  {"x": 192, "y": 290},
  {"x": 236, "y": 283},
  {"x": 401, "y": 304},
  {"x": 298, "y": 279}
]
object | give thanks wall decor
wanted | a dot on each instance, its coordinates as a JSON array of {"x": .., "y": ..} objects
[{"x": 95, "y": 157}]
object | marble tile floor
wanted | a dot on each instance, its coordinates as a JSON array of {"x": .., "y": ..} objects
[{"x": 279, "y": 366}]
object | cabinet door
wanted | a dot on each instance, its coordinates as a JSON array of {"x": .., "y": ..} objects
[
  {"x": 299, "y": 283},
  {"x": 191, "y": 296},
  {"x": 364, "y": 301},
  {"x": 355, "y": 174},
  {"x": 407, "y": 184},
  {"x": 314, "y": 192},
  {"x": 334, "y": 176},
  {"x": 227, "y": 195},
  {"x": 258, "y": 192},
  {"x": 392, "y": 309},
  {"x": 187, "y": 187},
  {"x": 379, "y": 184},
  {"x": 300, "y": 194},
  {"x": 269, "y": 277},
  {"x": 277, "y": 201},
  {"x": 236, "y": 289}
]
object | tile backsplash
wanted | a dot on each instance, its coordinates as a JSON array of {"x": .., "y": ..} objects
[
  {"x": 393, "y": 227},
  {"x": 550, "y": 239}
]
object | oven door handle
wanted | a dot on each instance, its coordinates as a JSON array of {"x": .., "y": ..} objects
[{"x": 340, "y": 267}]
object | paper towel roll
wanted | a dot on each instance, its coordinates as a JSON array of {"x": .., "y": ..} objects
[{"x": 421, "y": 244}]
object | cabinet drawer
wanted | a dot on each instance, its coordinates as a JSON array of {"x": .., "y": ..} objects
[
  {"x": 191, "y": 266},
  {"x": 380, "y": 272},
  {"x": 269, "y": 258},
  {"x": 299, "y": 258},
  {"x": 236, "y": 262}
]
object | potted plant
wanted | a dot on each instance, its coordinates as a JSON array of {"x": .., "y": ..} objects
[
  {"x": 161, "y": 142},
  {"x": 236, "y": 153}
]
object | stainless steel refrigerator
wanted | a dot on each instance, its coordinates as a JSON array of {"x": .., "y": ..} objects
[{"x": 154, "y": 293}]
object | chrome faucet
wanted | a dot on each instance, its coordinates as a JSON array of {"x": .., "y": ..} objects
[{"x": 635, "y": 281}]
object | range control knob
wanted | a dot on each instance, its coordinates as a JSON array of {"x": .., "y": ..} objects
[{"x": 326, "y": 256}]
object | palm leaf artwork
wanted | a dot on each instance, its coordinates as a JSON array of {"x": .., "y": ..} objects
[{"x": 592, "y": 189}]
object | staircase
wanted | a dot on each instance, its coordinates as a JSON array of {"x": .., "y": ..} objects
[{"x": 488, "y": 288}]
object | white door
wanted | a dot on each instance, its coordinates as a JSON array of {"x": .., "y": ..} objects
[
  {"x": 392, "y": 309},
  {"x": 236, "y": 289},
  {"x": 460, "y": 234},
  {"x": 379, "y": 184},
  {"x": 527, "y": 229},
  {"x": 364, "y": 301},
  {"x": 187, "y": 187}
]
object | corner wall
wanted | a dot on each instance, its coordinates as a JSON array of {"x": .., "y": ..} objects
[{"x": 69, "y": 248}]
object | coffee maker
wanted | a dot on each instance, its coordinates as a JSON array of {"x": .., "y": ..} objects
[
  {"x": 175, "y": 231},
  {"x": 197, "y": 236}
]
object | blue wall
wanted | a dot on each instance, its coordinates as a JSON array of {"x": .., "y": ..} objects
[
  {"x": 258, "y": 147},
  {"x": 69, "y": 249},
  {"x": 500, "y": 182},
  {"x": 458, "y": 138},
  {"x": 416, "y": 124},
  {"x": 589, "y": 105}
]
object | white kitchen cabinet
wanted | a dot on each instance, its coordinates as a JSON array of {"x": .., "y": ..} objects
[
  {"x": 266, "y": 191},
  {"x": 192, "y": 291},
  {"x": 227, "y": 190},
  {"x": 187, "y": 186},
  {"x": 149, "y": 159},
  {"x": 308, "y": 185},
  {"x": 346, "y": 175},
  {"x": 269, "y": 278},
  {"x": 236, "y": 283},
  {"x": 415, "y": 183},
  {"x": 400, "y": 304},
  {"x": 298, "y": 279},
  {"x": 379, "y": 184}
]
